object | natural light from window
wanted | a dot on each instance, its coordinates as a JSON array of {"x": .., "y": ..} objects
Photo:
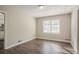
[{"x": 51, "y": 26}]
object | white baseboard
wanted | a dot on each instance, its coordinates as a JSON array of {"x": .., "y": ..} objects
[
  {"x": 18, "y": 43},
  {"x": 76, "y": 52},
  {"x": 55, "y": 40}
]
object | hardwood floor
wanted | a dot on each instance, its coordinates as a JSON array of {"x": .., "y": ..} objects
[
  {"x": 40, "y": 47},
  {"x": 1, "y": 44}
]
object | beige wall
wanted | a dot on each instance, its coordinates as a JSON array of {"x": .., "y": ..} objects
[
  {"x": 19, "y": 25},
  {"x": 65, "y": 28}
]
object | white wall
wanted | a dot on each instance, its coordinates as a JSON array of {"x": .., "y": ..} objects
[
  {"x": 19, "y": 25},
  {"x": 65, "y": 28},
  {"x": 74, "y": 29}
]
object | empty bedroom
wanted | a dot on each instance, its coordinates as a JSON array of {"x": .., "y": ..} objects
[{"x": 39, "y": 29}]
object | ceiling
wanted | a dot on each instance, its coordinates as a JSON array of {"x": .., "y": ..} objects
[{"x": 48, "y": 10}]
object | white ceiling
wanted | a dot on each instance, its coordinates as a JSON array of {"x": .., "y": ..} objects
[{"x": 48, "y": 10}]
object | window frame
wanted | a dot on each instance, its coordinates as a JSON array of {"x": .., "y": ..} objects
[{"x": 50, "y": 24}]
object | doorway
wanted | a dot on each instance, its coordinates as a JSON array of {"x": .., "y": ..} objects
[{"x": 2, "y": 31}]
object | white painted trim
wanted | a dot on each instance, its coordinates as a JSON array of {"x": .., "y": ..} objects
[
  {"x": 75, "y": 52},
  {"x": 54, "y": 40},
  {"x": 18, "y": 43}
]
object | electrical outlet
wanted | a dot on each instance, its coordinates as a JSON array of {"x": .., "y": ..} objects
[{"x": 19, "y": 40}]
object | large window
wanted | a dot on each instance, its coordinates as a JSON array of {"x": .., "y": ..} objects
[
  {"x": 51, "y": 26},
  {"x": 46, "y": 26}
]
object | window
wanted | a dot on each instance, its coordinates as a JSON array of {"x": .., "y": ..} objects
[
  {"x": 51, "y": 26},
  {"x": 46, "y": 26},
  {"x": 55, "y": 26}
]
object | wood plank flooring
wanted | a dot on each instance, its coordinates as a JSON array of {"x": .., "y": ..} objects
[
  {"x": 38, "y": 46},
  {"x": 1, "y": 44}
]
